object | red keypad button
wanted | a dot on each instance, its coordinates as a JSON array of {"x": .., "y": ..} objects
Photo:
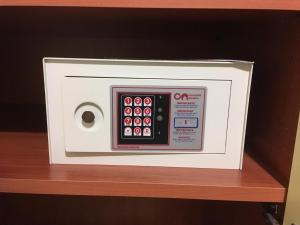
[
  {"x": 147, "y": 131},
  {"x": 147, "y": 101},
  {"x": 137, "y": 111},
  {"x": 127, "y": 121},
  {"x": 147, "y": 122},
  {"x": 127, "y": 111},
  {"x": 137, "y": 121},
  {"x": 128, "y": 101},
  {"x": 147, "y": 111},
  {"x": 137, "y": 131},
  {"x": 137, "y": 101},
  {"x": 127, "y": 131}
]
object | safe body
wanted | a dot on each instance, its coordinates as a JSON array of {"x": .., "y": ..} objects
[{"x": 146, "y": 112}]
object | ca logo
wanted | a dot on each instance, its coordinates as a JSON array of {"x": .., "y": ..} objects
[{"x": 178, "y": 96}]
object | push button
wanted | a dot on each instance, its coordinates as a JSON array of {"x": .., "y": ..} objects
[
  {"x": 137, "y": 131},
  {"x": 137, "y": 111},
  {"x": 137, "y": 101},
  {"x": 128, "y": 101},
  {"x": 159, "y": 118},
  {"x": 147, "y": 122},
  {"x": 127, "y": 121},
  {"x": 147, "y": 111},
  {"x": 137, "y": 121},
  {"x": 127, "y": 111},
  {"x": 127, "y": 131},
  {"x": 147, "y": 101},
  {"x": 146, "y": 131}
]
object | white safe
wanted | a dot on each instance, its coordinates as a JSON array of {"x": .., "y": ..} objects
[{"x": 147, "y": 112}]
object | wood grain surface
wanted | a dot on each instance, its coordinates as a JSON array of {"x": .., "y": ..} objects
[
  {"x": 27, "y": 209},
  {"x": 275, "y": 99},
  {"x": 20, "y": 209},
  {"x": 194, "y": 4},
  {"x": 24, "y": 169}
]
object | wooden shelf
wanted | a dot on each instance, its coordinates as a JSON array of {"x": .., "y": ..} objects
[
  {"x": 24, "y": 168},
  {"x": 188, "y": 4}
]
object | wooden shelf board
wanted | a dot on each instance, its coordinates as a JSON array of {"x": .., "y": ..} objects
[
  {"x": 188, "y": 4},
  {"x": 24, "y": 168}
]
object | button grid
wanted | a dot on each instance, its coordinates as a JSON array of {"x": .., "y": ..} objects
[{"x": 137, "y": 111}]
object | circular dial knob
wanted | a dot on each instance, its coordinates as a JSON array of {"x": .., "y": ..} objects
[{"x": 88, "y": 116}]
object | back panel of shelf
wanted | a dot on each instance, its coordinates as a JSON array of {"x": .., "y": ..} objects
[{"x": 270, "y": 38}]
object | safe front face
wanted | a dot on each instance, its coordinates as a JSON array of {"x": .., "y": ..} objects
[
  {"x": 153, "y": 115},
  {"x": 146, "y": 113}
]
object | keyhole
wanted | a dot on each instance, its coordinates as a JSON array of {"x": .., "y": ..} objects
[{"x": 88, "y": 116}]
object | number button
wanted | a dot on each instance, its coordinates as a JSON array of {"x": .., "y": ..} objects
[
  {"x": 147, "y": 131},
  {"x": 127, "y": 111},
  {"x": 137, "y": 111},
  {"x": 147, "y": 122},
  {"x": 127, "y": 121},
  {"x": 137, "y": 101},
  {"x": 128, "y": 101},
  {"x": 127, "y": 131},
  {"x": 137, "y": 131},
  {"x": 147, "y": 111},
  {"x": 137, "y": 121},
  {"x": 147, "y": 101}
]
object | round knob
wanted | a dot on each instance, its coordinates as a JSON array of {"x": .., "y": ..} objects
[{"x": 88, "y": 116}]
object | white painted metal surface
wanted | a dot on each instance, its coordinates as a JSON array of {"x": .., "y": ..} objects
[{"x": 75, "y": 85}]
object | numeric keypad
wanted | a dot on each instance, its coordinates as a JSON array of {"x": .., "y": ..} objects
[{"x": 137, "y": 115}]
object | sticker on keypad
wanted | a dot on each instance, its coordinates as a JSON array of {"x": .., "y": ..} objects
[
  {"x": 137, "y": 111},
  {"x": 127, "y": 111},
  {"x": 147, "y": 101},
  {"x": 128, "y": 101},
  {"x": 137, "y": 121},
  {"x": 147, "y": 111},
  {"x": 138, "y": 101},
  {"x": 127, "y": 131},
  {"x": 127, "y": 121},
  {"x": 147, "y": 122},
  {"x": 147, "y": 131},
  {"x": 137, "y": 131}
]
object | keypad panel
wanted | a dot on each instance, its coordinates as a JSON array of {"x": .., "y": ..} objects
[
  {"x": 137, "y": 115},
  {"x": 162, "y": 118}
]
